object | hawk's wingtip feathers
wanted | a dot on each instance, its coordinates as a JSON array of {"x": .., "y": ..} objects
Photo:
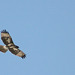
[
  {"x": 4, "y": 31},
  {"x": 23, "y": 56}
]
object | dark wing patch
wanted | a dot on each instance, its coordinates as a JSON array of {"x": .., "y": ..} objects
[{"x": 16, "y": 46}]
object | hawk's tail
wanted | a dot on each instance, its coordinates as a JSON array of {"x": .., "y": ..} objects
[{"x": 3, "y": 49}]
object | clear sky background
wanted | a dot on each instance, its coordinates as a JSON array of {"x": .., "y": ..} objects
[{"x": 45, "y": 31}]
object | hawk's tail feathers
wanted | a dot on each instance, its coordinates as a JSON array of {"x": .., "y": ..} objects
[{"x": 3, "y": 49}]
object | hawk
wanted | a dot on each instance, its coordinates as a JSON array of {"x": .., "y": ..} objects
[{"x": 9, "y": 45}]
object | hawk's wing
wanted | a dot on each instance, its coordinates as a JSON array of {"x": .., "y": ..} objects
[
  {"x": 3, "y": 48},
  {"x": 16, "y": 51},
  {"x": 6, "y": 38}
]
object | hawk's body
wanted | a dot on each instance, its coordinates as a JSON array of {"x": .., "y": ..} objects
[{"x": 7, "y": 40}]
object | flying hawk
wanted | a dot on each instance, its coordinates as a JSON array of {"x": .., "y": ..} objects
[{"x": 9, "y": 45}]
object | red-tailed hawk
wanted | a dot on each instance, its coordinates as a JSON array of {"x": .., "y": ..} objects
[{"x": 9, "y": 45}]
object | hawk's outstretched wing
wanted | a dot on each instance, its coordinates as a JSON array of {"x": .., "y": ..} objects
[
  {"x": 16, "y": 51},
  {"x": 3, "y": 48},
  {"x": 7, "y": 40}
]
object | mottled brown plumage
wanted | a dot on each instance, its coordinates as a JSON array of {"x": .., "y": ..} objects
[
  {"x": 3, "y": 48},
  {"x": 7, "y": 40}
]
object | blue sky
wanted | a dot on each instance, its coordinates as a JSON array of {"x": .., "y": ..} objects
[{"x": 45, "y": 31}]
